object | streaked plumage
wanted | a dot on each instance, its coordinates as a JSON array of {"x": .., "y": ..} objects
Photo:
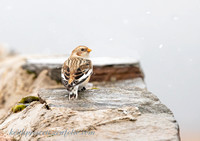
[{"x": 76, "y": 71}]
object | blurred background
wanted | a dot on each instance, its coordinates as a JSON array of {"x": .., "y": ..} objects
[{"x": 163, "y": 34}]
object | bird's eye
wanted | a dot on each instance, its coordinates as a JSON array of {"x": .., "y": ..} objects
[{"x": 82, "y": 49}]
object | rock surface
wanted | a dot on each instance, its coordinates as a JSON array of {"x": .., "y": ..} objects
[
  {"x": 16, "y": 82},
  {"x": 116, "y": 110},
  {"x": 103, "y": 97},
  {"x": 105, "y": 68},
  {"x": 109, "y": 112},
  {"x": 4, "y": 137}
]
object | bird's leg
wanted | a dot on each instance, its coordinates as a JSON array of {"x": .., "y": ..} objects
[
  {"x": 70, "y": 95},
  {"x": 74, "y": 93},
  {"x": 81, "y": 89}
]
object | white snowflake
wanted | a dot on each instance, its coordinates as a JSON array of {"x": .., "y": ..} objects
[
  {"x": 161, "y": 46},
  {"x": 111, "y": 39},
  {"x": 148, "y": 12},
  {"x": 175, "y": 18},
  {"x": 125, "y": 21}
]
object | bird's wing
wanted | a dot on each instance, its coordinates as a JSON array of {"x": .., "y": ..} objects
[
  {"x": 75, "y": 71},
  {"x": 83, "y": 72},
  {"x": 65, "y": 74}
]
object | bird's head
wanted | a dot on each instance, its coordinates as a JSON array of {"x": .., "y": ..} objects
[{"x": 81, "y": 51}]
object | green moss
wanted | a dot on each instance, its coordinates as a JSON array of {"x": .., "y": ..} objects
[
  {"x": 29, "y": 99},
  {"x": 58, "y": 82},
  {"x": 31, "y": 72},
  {"x": 18, "y": 108},
  {"x": 94, "y": 88}
]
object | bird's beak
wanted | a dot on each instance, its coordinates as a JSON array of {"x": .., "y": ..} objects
[{"x": 89, "y": 50}]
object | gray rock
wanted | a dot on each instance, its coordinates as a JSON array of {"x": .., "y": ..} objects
[
  {"x": 105, "y": 68},
  {"x": 105, "y": 98},
  {"x": 123, "y": 110}
]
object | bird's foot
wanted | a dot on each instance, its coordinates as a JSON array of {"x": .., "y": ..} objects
[
  {"x": 73, "y": 96},
  {"x": 82, "y": 89}
]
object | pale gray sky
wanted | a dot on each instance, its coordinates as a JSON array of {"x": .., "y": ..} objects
[{"x": 165, "y": 34}]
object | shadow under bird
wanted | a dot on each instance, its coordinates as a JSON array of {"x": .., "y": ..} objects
[{"x": 76, "y": 71}]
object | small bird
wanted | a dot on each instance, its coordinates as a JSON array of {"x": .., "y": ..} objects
[{"x": 76, "y": 71}]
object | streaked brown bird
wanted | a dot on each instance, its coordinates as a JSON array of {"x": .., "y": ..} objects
[{"x": 76, "y": 71}]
